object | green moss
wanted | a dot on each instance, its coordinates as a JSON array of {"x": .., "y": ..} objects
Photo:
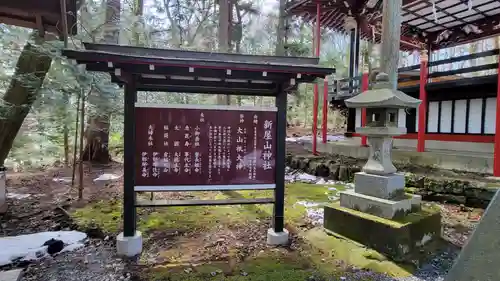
[
  {"x": 311, "y": 192},
  {"x": 401, "y": 221},
  {"x": 106, "y": 215},
  {"x": 268, "y": 266},
  {"x": 341, "y": 248},
  {"x": 492, "y": 185},
  {"x": 295, "y": 192}
]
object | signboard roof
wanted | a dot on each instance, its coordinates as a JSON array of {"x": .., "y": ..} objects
[
  {"x": 199, "y": 72},
  {"x": 41, "y": 15}
]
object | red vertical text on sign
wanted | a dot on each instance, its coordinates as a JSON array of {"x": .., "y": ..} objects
[
  {"x": 156, "y": 165},
  {"x": 224, "y": 147},
  {"x": 187, "y": 146},
  {"x": 165, "y": 135},
  {"x": 228, "y": 150},
  {"x": 150, "y": 135},
  {"x": 197, "y": 158},
  {"x": 210, "y": 151},
  {"x": 253, "y": 168},
  {"x": 144, "y": 165},
  {"x": 240, "y": 152},
  {"x": 267, "y": 154},
  {"x": 219, "y": 149}
]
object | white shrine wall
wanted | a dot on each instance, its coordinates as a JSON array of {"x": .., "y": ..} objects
[{"x": 460, "y": 125}]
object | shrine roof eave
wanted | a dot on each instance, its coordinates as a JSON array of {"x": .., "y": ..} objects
[
  {"x": 198, "y": 72},
  {"x": 40, "y": 15},
  {"x": 429, "y": 24}
]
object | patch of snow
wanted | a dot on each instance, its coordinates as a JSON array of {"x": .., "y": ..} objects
[
  {"x": 305, "y": 177},
  {"x": 289, "y": 178},
  {"x": 17, "y": 196},
  {"x": 321, "y": 181},
  {"x": 30, "y": 246},
  {"x": 63, "y": 180},
  {"x": 72, "y": 247},
  {"x": 308, "y": 204},
  {"x": 329, "y": 138},
  {"x": 107, "y": 177},
  {"x": 316, "y": 216}
]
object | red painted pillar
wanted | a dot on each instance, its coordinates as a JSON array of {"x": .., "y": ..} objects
[
  {"x": 316, "y": 42},
  {"x": 364, "y": 87},
  {"x": 496, "y": 153},
  {"x": 422, "y": 109},
  {"x": 325, "y": 110}
]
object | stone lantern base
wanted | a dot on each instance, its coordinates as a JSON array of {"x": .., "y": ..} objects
[
  {"x": 399, "y": 239},
  {"x": 380, "y": 195}
]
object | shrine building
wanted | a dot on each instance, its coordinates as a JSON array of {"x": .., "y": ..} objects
[{"x": 458, "y": 114}]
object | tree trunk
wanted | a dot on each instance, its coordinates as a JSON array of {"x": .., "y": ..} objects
[
  {"x": 97, "y": 131},
  {"x": 66, "y": 128},
  {"x": 19, "y": 97},
  {"x": 281, "y": 29},
  {"x": 138, "y": 26},
  {"x": 97, "y": 139},
  {"x": 224, "y": 9}
]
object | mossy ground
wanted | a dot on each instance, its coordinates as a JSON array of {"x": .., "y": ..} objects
[
  {"x": 319, "y": 252},
  {"x": 426, "y": 211}
]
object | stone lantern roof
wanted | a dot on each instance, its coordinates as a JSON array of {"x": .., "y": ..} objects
[{"x": 382, "y": 95}]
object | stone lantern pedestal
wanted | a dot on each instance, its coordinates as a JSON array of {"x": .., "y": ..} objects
[
  {"x": 378, "y": 188},
  {"x": 378, "y": 212}
]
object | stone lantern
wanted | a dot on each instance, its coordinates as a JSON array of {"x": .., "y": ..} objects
[{"x": 379, "y": 189}]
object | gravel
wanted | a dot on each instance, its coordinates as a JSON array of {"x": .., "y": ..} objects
[{"x": 95, "y": 262}]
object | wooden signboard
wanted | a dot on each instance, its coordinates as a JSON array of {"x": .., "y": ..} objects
[{"x": 196, "y": 147}]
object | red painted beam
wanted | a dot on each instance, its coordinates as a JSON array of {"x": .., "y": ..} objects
[
  {"x": 364, "y": 87},
  {"x": 496, "y": 153},
  {"x": 325, "y": 110},
  {"x": 422, "y": 109},
  {"x": 448, "y": 137},
  {"x": 317, "y": 40}
]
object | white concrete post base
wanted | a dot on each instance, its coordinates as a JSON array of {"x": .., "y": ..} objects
[
  {"x": 129, "y": 246},
  {"x": 277, "y": 238}
]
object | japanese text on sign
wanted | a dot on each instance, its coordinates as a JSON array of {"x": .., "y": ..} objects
[{"x": 204, "y": 147}]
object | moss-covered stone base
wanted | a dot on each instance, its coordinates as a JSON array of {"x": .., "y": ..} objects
[{"x": 395, "y": 238}]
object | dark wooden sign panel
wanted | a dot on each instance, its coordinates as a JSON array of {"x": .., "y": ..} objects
[{"x": 198, "y": 146}]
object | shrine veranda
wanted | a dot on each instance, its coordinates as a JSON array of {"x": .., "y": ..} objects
[{"x": 198, "y": 147}]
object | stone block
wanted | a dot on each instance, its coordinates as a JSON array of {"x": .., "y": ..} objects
[
  {"x": 11, "y": 275},
  {"x": 384, "y": 208},
  {"x": 396, "y": 239},
  {"x": 479, "y": 258},
  {"x": 386, "y": 187}
]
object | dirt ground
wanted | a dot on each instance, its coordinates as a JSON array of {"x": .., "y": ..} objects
[
  {"x": 228, "y": 247},
  {"x": 223, "y": 243}
]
